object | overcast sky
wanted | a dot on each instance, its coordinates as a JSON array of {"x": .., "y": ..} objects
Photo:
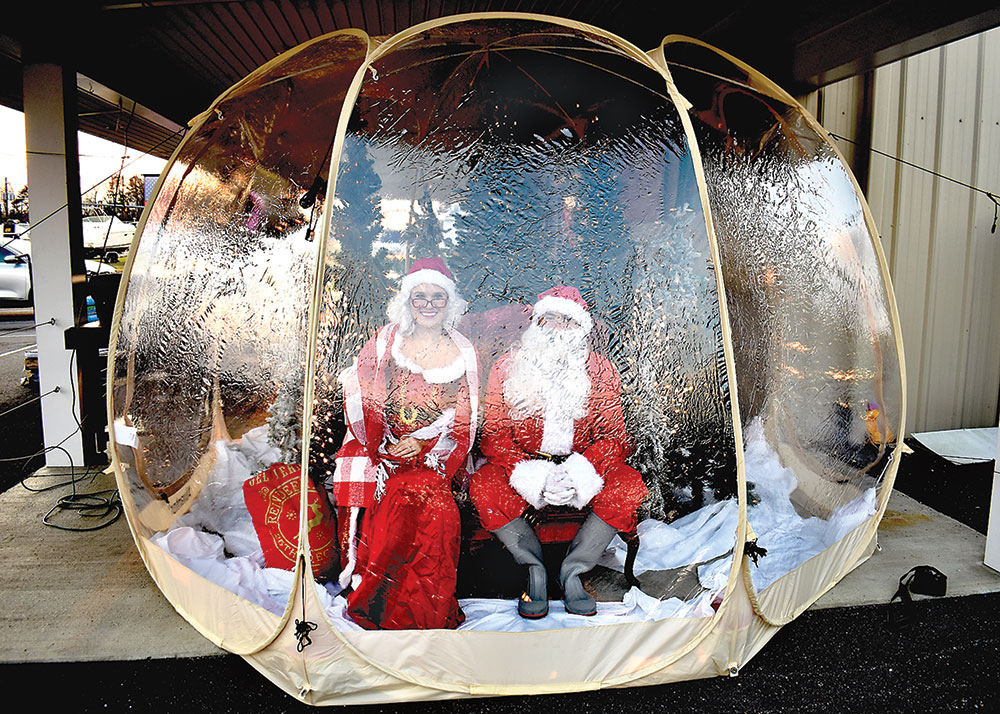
[{"x": 99, "y": 159}]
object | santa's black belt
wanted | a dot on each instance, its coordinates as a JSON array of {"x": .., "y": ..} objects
[{"x": 554, "y": 458}]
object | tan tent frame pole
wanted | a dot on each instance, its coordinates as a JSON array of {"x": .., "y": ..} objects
[
  {"x": 124, "y": 491},
  {"x": 194, "y": 126},
  {"x": 304, "y": 558}
]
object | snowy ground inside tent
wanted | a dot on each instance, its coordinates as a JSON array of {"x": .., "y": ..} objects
[{"x": 217, "y": 540}]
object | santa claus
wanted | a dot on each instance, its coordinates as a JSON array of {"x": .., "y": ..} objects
[{"x": 554, "y": 435}]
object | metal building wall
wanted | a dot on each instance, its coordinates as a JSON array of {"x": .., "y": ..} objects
[{"x": 940, "y": 110}]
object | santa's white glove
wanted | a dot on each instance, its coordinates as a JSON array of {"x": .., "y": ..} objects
[
  {"x": 584, "y": 478},
  {"x": 529, "y": 478},
  {"x": 559, "y": 489}
]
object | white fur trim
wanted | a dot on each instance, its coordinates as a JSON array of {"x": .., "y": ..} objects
[
  {"x": 427, "y": 275},
  {"x": 564, "y": 306},
  {"x": 557, "y": 431},
  {"x": 434, "y": 375},
  {"x": 585, "y": 478},
  {"x": 352, "y": 551},
  {"x": 352, "y": 387},
  {"x": 528, "y": 479}
]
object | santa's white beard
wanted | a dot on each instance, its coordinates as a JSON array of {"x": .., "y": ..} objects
[{"x": 548, "y": 375}]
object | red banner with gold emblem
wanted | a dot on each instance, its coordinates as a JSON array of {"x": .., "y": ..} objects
[{"x": 272, "y": 497}]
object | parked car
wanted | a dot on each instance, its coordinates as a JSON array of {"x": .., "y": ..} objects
[{"x": 15, "y": 270}]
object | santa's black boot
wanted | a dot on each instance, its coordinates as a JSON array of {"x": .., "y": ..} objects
[
  {"x": 586, "y": 549},
  {"x": 522, "y": 542}
]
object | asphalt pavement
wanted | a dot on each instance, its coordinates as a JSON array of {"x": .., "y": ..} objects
[
  {"x": 827, "y": 661},
  {"x": 20, "y": 412}
]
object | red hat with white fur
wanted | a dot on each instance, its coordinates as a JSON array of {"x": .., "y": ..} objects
[
  {"x": 429, "y": 270},
  {"x": 565, "y": 300}
]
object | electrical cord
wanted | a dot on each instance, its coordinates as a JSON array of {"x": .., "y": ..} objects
[
  {"x": 24, "y": 404},
  {"x": 104, "y": 504},
  {"x": 989, "y": 194},
  {"x": 88, "y": 505},
  {"x": 50, "y": 321}
]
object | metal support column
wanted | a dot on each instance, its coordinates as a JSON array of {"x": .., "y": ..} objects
[{"x": 56, "y": 248}]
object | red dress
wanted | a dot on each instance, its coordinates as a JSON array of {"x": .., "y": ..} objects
[{"x": 411, "y": 531}]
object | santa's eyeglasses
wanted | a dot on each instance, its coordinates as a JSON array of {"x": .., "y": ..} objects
[
  {"x": 556, "y": 319},
  {"x": 419, "y": 302}
]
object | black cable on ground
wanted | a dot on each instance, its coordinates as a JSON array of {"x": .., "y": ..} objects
[
  {"x": 105, "y": 504},
  {"x": 87, "y": 505},
  {"x": 97, "y": 504}
]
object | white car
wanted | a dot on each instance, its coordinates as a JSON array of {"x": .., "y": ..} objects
[{"x": 15, "y": 271}]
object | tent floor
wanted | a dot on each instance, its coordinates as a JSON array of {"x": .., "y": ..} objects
[{"x": 86, "y": 598}]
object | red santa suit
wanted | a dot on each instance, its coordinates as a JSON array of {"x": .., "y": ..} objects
[
  {"x": 594, "y": 446},
  {"x": 404, "y": 528}
]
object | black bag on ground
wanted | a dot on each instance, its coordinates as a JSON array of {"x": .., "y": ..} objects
[{"x": 921, "y": 580}]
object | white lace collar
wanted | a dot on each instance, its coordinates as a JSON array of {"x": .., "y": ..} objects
[{"x": 434, "y": 375}]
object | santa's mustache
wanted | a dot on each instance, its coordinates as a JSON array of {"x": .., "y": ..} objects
[{"x": 564, "y": 343}]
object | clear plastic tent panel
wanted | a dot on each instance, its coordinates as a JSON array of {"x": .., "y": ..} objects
[
  {"x": 207, "y": 389},
  {"x": 525, "y": 156},
  {"x": 816, "y": 361}
]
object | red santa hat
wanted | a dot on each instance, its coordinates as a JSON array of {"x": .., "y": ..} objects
[
  {"x": 432, "y": 271},
  {"x": 565, "y": 300}
]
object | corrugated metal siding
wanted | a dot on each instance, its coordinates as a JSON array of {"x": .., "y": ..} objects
[
  {"x": 940, "y": 110},
  {"x": 839, "y": 105}
]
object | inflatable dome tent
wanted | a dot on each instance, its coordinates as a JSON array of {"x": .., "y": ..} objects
[{"x": 705, "y": 230}]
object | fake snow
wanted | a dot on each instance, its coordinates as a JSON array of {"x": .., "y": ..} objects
[{"x": 217, "y": 540}]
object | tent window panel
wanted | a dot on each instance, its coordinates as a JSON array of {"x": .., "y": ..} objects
[
  {"x": 209, "y": 367},
  {"x": 816, "y": 361},
  {"x": 525, "y": 161}
]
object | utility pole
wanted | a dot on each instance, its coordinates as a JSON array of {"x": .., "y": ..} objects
[{"x": 6, "y": 194}]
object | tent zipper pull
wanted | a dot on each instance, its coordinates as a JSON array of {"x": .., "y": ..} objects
[
  {"x": 303, "y": 627},
  {"x": 754, "y": 551}
]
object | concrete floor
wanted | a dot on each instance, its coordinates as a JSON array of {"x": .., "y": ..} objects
[
  {"x": 74, "y": 597},
  {"x": 86, "y": 597}
]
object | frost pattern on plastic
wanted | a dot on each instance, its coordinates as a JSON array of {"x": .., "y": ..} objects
[
  {"x": 816, "y": 363},
  {"x": 209, "y": 367},
  {"x": 525, "y": 157}
]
